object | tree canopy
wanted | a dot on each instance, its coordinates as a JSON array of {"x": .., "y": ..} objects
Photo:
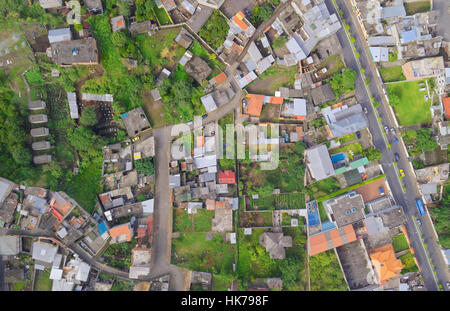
[
  {"x": 88, "y": 116},
  {"x": 343, "y": 82}
]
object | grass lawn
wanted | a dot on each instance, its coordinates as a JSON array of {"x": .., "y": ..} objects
[
  {"x": 412, "y": 107},
  {"x": 278, "y": 201},
  {"x": 193, "y": 251},
  {"x": 272, "y": 79},
  {"x": 323, "y": 187},
  {"x": 122, "y": 285},
  {"x": 355, "y": 148},
  {"x": 200, "y": 222},
  {"x": 400, "y": 243},
  {"x": 203, "y": 220},
  {"x": 42, "y": 281},
  {"x": 417, "y": 7},
  {"x": 391, "y": 74},
  {"x": 333, "y": 64},
  {"x": 256, "y": 219},
  {"x": 161, "y": 15},
  {"x": 222, "y": 282},
  {"x": 325, "y": 272},
  {"x": 322, "y": 213},
  {"x": 409, "y": 264},
  {"x": 346, "y": 138},
  {"x": 160, "y": 50}
]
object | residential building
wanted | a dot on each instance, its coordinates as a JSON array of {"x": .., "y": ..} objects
[
  {"x": 240, "y": 25},
  {"x": 60, "y": 206},
  {"x": 75, "y": 52},
  {"x": 198, "y": 69},
  {"x": 121, "y": 233},
  {"x": 295, "y": 109},
  {"x": 50, "y": 4},
  {"x": 44, "y": 254},
  {"x": 38, "y": 118},
  {"x": 430, "y": 67},
  {"x": 36, "y": 105},
  {"x": 227, "y": 177},
  {"x": 42, "y": 159},
  {"x": 147, "y": 27},
  {"x": 97, "y": 97},
  {"x": 94, "y": 6},
  {"x": 184, "y": 38},
  {"x": 208, "y": 102},
  {"x": 333, "y": 238},
  {"x": 168, "y": 5},
  {"x": 40, "y": 145},
  {"x": 275, "y": 243},
  {"x": 140, "y": 262},
  {"x": 10, "y": 245},
  {"x": 386, "y": 265},
  {"x": 322, "y": 94},
  {"x": 318, "y": 162},
  {"x": 135, "y": 121},
  {"x": 345, "y": 209},
  {"x": 73, "y": 107},
  {"x": 39, "y": 132},
  {"x": 214, "y": 4},
  {"x": 344, "y": 120},
  {"x": 58, "y": 35},
  {"x": 117, "y": 23}
]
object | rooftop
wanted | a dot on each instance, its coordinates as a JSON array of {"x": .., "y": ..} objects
[
  {"x": 319, "y": 163},
  {"x": 347, "y": 208},
  {"x": 330, "y": 239},
  {"x": 135, "y": 121},
  {"x": 386, "y": 264},
  {"x": 275, "y": 243},
  {"x": 75, "y": 52}
]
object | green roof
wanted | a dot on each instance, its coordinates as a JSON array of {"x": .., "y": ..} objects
[
  {"x": 340, "y": 170},
  {"x": 359, "y": 163}
]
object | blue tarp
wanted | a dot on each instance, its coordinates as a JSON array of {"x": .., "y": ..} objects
[
  {"x": 337, "y": 157},
  {"x": 102, "y": 228},
  {"x": 328, "y": 225},
  {"x": 313, "y": 215}
]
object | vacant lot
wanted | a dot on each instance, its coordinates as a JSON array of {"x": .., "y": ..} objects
[
  {"x": 391, "y": 74},
  {"x": 409, "y": 264},
  {"x": 400, "y": 243},
  {"x": 325, "y": 272},
  {"x": 42, "y": 281},
  {"x": 417, "y": 7},
  {"x": 411, "y": 107},
  {"x": 272, "y": 79},
  {"x": 255, "y": 219}
]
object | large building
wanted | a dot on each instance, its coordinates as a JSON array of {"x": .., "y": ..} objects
[
  {"x": 75, "y": 52},
  {"x": 430, "y": 67},
  {"x": 318, "y": 162}
]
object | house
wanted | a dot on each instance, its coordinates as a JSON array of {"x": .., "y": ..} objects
[
  {"x": 318, "y": 162},
  {"x": 121, "y": 233},
  {"x": 198, "y": 69},
  {"x": 240, "y": 24},
  {"x": 97, "y": 97},
  {"x": 8, "y": 202},
  {"x": 187, "y": 56},
  {"x": 58, "y": 35},
  {"x": 75, "y": 52},
  {"x": 44, "y": 254},
  {"x": 227, "y": 177},
  {"x": 49, "y": 4},
  {"x": 433, "y": 174},
  {"x": 214, "y": 4},
  {"x": 73, "y": 107},
  {"x": 60, "y": 206},
  {"x": 135, "y": 121},
  {"x": 430, "y": 67},
  {"x": 117, "y": 23},
  {"x": 208, "y": 102},
  {"x": 94, "y": 6},
  {"x": 223, "y": 218},
  {"x": 446, "y": 104},
  {"x": 344, "y": 120},
  {"x": 333, "y": 238},
  {"x": 222, "y": 77},
  {"x": 168, "y": 5},
  {"x": 253, "y": 104},
  {"x": 38, "y": 118},
  {"x": 42, "y": 159},
  {"x": 188, "y": 6},
  {"x": 203, "y": 279},
  {"x": 174, "y": 181},
  {"x": 39, "y": 132},
  {"x": 147, "y": 27},
  {"x": 40, "y": 145},
  {"x": 379, "y": 54},
  {"x": 184, "y": 38},
  {"x": 10, "y": 245},
  {"x": 447, "y": 76},
  {"x": 36, "y": 105},
  {"x": 346, "y": 209},
  {"x": 386, "y": 265},
  {"x": 275, "y": 243},
  {"x": 295, "y": 109},
  {"x": 246, "y": 79},
  {"x": 322, "y": 94},
  {"x": 144, "y": 148}
]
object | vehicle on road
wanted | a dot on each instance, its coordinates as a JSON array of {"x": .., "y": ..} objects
[
  {"x": 396, "y": 156},
  {"x": 204, "y": 116},
  {"x": 392, "y": 131},
  {"x": 402, "y": 173},
  {"x": 365, "y": 110},
  {"x": 419, "y": 222},
  {"x": 395, "y": 140},
  {"x": 135, "y": 139},
  {"x": 190, "y": 123},
  {"x": 386, "y": 129},
  {"x": 420, "y": 207},
  {"x": 448, "y": 285},
  {"x": 358, "y": 134}
]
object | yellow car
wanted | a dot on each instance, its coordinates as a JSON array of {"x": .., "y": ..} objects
[
  {"x": 135, "y": 139},
  {"x": 402, "y": 173}
]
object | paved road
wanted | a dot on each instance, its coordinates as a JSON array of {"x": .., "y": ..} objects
[
  {"x": 406, "y": 200},
  {"x": 443, "y": 28},
  {"x": 2, "y": 274}
]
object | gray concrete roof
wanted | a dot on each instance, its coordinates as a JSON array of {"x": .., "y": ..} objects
[{"x": 319, "y": 162}]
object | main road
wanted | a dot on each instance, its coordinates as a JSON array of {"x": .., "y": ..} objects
[{"x": 404, "y": 199}]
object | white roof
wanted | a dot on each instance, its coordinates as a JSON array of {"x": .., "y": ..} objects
[
  {"x": 147, "y": 206},
  {"x": 320, "y": 162},
  {"x": 62, "y": 286},
  {"x": 188, "y": 6},
  {"x": 379, "y": 54},
  {"x": 254, "y": 52},
  {"x": 83, "y": 272},
  {"x": 209, "y": 103},
  {"x": 447, "y": 75},
  {"x": 205, "y": 161},
  {"x": 233, "y": 237},
  {"x": 58, "y": 35},
  {"x": 97, "y": 97},
  {"x": 44, "y": 252},
  {"x": 56, "y": 274}
]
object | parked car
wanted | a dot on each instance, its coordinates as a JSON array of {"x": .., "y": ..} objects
[
  {"x": 358, "y": 134},
  {"x": 190, "y": 123},
  {"x": 448, "y": 285},
  {"x": 386, "y": 129},
  {"x": 419, "y": 222},
  {"x": 135, "y": 139},
  {"x": 397, "y": 157},
  {"x": 402, "y": 173},
  {"x": 392, "y": 131},
  {"x": 395, "y": 140},
  {"x": 204, "y": 116},
  {"x": 365, "y": 110}
]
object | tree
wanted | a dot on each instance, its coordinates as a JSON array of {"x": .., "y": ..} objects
[
  {"x": 145, "y": 166},
  {"x": 119, "y": 38},
  {"x": 21, "y": 155},
  {"x": 261, "y": 13},
  {"x": 124, "y": 7},
  {"x": 289, "y": 269},
  {"x": 372, "y": 154},
  {"x": 425, "y": 141},
  {"x": 299, "y": 147},
  {"x": 89, "y": 116},
  {"x": 343, "y": 82},
  {"x": 82, "y": 138}
]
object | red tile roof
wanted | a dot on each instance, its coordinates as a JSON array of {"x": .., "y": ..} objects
[
  {"x": 276, "y": 100},
  {"x": 446, "y": 103},
  {"x": 254, "y": 104},
  {"x": 333, "y": 238},
  {"x": 227, "y": 177},
  {"x": 238, "y": 20},
  {"x": 221, "y": 77}
]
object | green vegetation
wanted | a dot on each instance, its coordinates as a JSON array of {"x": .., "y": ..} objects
[
  {"x": 199, "y": 222},
  {"x": 255, "y": 262},
  {"x": 409, "y": 264},
  {"x": 317, "y": 123},
  {"x": 391, "y": 74},
  {"x": 372, "y": 154},
  {"x": 323, "y": 187},
  {"x": 441, "y": 217},
  {"x": 350, "y": 149},
  {"x": 119, "y": 255},
  {"x": 343, "y": 82},
  {"x": 122, "y": 285},
  {"x": 261, "y": 13},
  {"x": 346, "y": 138},
  {"x": 322, "y": 213},
  {"x": 325, "y": 272},
  {"x": 215, "y": 30},
  {"x": 417, "y": 7},
  {"x": 89, "y": 116},
  {"x": 279, "y": 42},
  {"x": 210, "y": 58},
  {"x": 409, "y": 104},
  {"x": 42, "y": 281},
  {"x": 400, "y": 243},
  {"x": 421, "y": 140},
  {"x": 145, "y": 166},
  {"x": 393, "y": 56},
  {"x": 227, "y": 164}
]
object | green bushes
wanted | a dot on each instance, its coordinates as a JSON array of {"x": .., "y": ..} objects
[
  {"x": 261, "y": 13},
  {"x": 215, "y": 30},
  {"x": 145, "y": 166},
  {"x": 343, "y": 82}
]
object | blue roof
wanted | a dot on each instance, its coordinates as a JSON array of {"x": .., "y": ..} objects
[
  {"x": 337, "y": 157},
  {"x": 408, "y": 36},
  {"x": 102, "y": 228}
]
